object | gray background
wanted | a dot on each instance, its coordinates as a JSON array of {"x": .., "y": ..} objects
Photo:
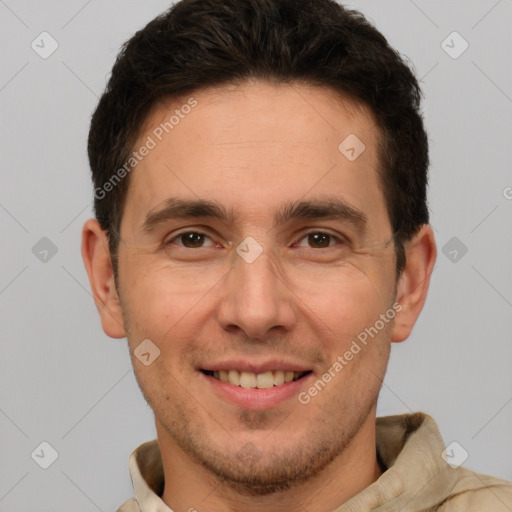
[{"x": 63, "y": 381}]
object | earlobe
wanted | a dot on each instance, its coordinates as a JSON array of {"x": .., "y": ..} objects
[
  {"x": 98, "y": 264},
  {"x": 413, "y": 285}
]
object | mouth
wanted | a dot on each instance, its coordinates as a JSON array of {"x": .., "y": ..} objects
[{"x": 249, "y": 380}]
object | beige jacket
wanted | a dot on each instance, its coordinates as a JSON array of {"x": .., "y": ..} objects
[{"x": 421, "y": 475}]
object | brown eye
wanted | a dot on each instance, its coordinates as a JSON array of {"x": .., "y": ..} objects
[
  {"x": 319, "y": 240},
  {"x": 192, "y": 239}
]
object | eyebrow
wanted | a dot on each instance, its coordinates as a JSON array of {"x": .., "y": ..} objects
[
  {"x": 177, "y": 208},
  {"x": 327, "y": 209},
  {"x": 333, "y": 209}
]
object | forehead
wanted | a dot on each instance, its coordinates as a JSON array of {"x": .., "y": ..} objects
[
  {"x": 255, "y": 146},
  {"x": 303, "y": 112}
]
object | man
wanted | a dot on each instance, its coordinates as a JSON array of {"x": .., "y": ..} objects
[{"x": 261, "y": 238}]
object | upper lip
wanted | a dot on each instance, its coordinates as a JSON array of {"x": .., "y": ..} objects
[{"x": 243, "y": 365}]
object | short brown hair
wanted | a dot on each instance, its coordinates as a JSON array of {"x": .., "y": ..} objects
[{"x": 202, "y": 43}]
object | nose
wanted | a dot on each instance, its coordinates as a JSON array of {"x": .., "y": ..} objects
[{"x": 255, "y": 299}]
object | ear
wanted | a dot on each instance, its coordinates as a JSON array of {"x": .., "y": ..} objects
[
  {"x": 413, "y": 285},
  {"x": 98, "y": 264}
]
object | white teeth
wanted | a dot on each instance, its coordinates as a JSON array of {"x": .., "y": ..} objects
[
  {"x": 234, "y": 377},
  {"x": 288, "y": 376},
  {"x": 247, "y": 380},
  {"x": 265, "y": 380},
  {"x": 278, "y": 377}
]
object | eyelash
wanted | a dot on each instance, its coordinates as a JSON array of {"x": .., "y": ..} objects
[{"x": 305, "y": 235}]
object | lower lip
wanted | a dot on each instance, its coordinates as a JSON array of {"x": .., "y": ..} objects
[{"x": 254, "y": 398}]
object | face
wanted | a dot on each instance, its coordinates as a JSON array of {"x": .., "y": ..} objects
[{"x": 255, "y": 252}]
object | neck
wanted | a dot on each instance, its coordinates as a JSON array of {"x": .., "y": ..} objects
[{"x": 189, "y": 487}]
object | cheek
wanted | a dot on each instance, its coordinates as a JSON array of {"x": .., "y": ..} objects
[
  {"x": 339, "y": 310},
  {"x": 158, "y": 303},
  {"x": 171, "y": 302},
  {"x": 345, "y": 313}
]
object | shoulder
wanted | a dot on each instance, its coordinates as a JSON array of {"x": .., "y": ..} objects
[
  {"x": 130, "y": 505},
  {"x": 475, "y": 492}
]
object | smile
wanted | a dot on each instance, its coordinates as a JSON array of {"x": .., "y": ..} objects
[{"x": 249, "y": 380}]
